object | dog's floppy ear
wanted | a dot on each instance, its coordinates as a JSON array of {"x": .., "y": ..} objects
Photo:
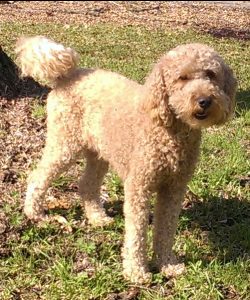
[
  {"x": 230, "y": 86},
  {"x": 156, "y": 98}
]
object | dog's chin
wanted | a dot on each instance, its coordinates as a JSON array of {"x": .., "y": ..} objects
[
  {"x": 201, "y": 116},
  {"x": 199, "y": 120}
]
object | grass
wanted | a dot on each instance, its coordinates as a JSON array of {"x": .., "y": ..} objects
[
  {"x": 38, "y": 110},
  {"x": 214, "y": 230}
]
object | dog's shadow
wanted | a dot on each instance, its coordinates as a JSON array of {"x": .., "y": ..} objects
[
  {"x": 224, "y": 225},
  {"x": 243, "y": 101}
]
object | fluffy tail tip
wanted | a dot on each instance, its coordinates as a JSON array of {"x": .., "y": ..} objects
[{"x": 45, "y": 59}]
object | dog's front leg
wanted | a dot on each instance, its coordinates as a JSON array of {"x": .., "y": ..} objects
[
  {"x": 136, "y": 210},
  {"x": 167, "y": 210}
]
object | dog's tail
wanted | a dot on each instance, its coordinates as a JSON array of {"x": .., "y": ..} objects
[{"x": 43, "y": 59}]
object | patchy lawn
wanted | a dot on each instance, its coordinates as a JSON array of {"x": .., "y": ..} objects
[{"x": 213, "y": 238}]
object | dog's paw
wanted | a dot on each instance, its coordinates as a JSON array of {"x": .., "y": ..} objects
[
  {"x": 35, "y": 215},
  {"x": 100, "y": 220},
  {"x": 134, "y": 272},
  {"x": 173, "y": 270},
  {"x": 137, "y": 275},
  {"x": 169, "y": 266},
  {"x": 97, "y": 217}
]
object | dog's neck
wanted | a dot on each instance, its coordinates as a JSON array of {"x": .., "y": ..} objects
[
  {"x": 179, "y": 129},
  {"x": 182, "y": 129}
]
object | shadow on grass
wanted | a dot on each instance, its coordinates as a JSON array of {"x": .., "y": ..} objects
[
  {"x": 230, "y": 33},
  {"x": 243, "y": 100},
  {"x": 226, "y": 223}
]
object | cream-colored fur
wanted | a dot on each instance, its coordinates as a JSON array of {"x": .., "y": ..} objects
[{"x": 150, "y": 134}]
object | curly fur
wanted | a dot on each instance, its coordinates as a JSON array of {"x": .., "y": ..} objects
[
  {"x": 150, "y": 134},
  {"x": 41, "y": 58}
]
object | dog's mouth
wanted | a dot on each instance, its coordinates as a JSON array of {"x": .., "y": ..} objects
[{"x": 201, "y": 115}]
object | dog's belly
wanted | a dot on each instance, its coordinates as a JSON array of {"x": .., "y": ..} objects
[{"x": 114, "y": 139}]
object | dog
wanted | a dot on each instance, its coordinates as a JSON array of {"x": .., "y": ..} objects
[{"x": 149, "y": 134}]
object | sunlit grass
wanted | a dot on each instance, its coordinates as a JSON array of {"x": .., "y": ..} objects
[{"x": 213, "y": 234}]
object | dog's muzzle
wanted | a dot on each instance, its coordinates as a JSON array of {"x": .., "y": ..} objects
[{"x": 204, "y": 103}]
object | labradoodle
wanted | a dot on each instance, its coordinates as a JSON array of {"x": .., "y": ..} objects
[{"x": 149, "y": 134}]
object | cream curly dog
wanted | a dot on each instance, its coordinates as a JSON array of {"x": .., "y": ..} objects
[{"x": 149, "y": 134}]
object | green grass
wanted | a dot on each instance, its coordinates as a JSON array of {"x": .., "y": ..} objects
[
  {"x": 213, "y": 233},
  {"x": 38, "y": 110}
]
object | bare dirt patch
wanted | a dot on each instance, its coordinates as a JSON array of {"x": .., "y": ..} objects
[{"x": 219, "y": 19}]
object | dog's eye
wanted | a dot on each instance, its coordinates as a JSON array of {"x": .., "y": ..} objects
[
  {"x": 210, "y": 74},
  {"x": 183, "y": 77}
]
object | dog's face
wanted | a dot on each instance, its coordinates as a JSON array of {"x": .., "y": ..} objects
[{"x": 200, "y": 86}]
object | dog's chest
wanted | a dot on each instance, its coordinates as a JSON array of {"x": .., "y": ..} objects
[{"x": 172, "y": 155}]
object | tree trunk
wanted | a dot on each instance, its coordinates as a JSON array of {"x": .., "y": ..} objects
[
  {"x": 9, "y": 79},
  {"x": 12, "y": 86}
]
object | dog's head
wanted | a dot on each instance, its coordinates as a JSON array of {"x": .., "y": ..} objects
[{"x": 191, "y": 83}]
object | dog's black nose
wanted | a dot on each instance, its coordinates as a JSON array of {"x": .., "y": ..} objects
[{"x": 205, "y": 102}]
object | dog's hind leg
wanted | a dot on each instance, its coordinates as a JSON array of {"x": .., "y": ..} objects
[
  {"x": 54, "y": 161},
  {"x": 90, "y": 186}
]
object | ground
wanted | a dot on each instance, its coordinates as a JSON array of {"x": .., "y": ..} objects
[
  {"x": 209, "y": 16},
  {"x": 23, "y": 125}
]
